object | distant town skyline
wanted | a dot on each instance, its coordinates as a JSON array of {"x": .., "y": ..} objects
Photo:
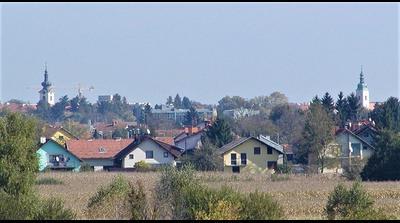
[{"x": 205, "y": 51}]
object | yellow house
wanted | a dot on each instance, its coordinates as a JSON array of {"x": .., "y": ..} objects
[
  {"x": 58, "y": 134},
  {"x": 252, "y": 154}
]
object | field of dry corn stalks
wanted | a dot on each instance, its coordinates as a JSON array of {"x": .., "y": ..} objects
[{"x": 302, "y": 197}]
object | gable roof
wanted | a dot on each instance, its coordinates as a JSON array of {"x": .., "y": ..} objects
[
  {"x": 188, "y": 135},
  {"x": 239, "y": 141},
  {"x": 53, "y": 141},
  {"x": 51, "y": 130},
  {"x": 344, "y": 130},
  {"x": 174, "y": 150},
  {"x": 165, "y": 139},
  {"x": 90, "y": 149},
  {"x": 364, "y": 128}
]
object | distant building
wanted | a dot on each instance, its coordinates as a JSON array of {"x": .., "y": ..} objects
[
  {"x": 47, "y": 92},
  {"x": 178, "y": 115},
  {"x": 362, "y": 92},
  {"x": 238, "y": 113},
  {"x": 105, "y": 98}
]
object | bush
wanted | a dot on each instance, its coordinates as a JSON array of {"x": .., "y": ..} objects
[
  {"x": 137, "y": 202},
  {"x": 354, "y": 204},
  {"x": 283, "y": 169},
  {"x": 86, "y": 168},
  {"x": 53, "y": 209},
  {"x": 260, "y": 206},
  {"x": 17, "y": 207},
  {"x": 142, "y": 166},
  {"x": 48, "y": 181},
  {"x": 112, "y": 195},
  {"x": 186, "y": 198}
]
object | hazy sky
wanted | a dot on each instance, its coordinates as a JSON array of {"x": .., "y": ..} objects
[{"x": 205, "y": 51}]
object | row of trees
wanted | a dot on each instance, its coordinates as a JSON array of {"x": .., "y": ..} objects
[{"x": 179, "y": 102}]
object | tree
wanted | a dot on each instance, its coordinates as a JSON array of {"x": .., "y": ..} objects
[
  {"x": 206, "y": 158},
  {"x": 316, "y": 100},
  {"x": 57, "y": 111},
  {"x": 191, "y": 117},
  {"x": 220, "y": 133},
  {"x": 177, "y": 101},
  {"x": 341, "y": 107},
  {"x": 387, "y": 115},
  {"x": 170, "y": 101},
  {"x": 18, "y": 166},
  {"x": 328, "y": 103},
  {"x": 147, "y": 113},
  {"x": 75, "y": 104},
  {"x": 351, "y": 204},
  {"x": 353, "y": 107},
  {"x": 384, "y": 163},
  {"x": 318, "y": 133},
  {"x": 186, "y": 104}
]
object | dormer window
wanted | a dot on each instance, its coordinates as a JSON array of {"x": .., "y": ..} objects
[{"x": 102, "y": 150}]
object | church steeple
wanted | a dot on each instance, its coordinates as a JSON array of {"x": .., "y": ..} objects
[
  {"x": 362, "y": 91},
  {"x": 47, "y": 92}
]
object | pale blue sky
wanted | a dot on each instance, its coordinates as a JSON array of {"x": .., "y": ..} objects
[{"x": 147, "y": 51}]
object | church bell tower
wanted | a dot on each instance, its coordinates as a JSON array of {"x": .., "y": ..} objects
[
  {"x": 47, "y": 92},
  {"x": 362, "y": 92}
]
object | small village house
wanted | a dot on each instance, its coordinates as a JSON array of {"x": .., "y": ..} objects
[
  {"x": 99, "y": 154},
  {"x": 54, "y": 156},
  {"x": 251, "y": 154},
  {"x": 149, "y": 150},
  {"x": 58, "y": 134}
]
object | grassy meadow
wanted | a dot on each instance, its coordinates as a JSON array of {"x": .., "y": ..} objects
[{"x": 301, "y": 196}]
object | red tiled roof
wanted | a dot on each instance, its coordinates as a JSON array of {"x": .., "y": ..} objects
[
  {"x": 168, "y": 140},
  {"x": 90, "y": 149}
]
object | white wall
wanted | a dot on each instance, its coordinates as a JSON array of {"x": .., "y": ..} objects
[{"x": 139, "y": 154}]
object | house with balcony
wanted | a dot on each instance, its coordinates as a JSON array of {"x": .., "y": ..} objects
[
  {"x": 251, "y": 154},
  {"x": 52, "y": 155}
]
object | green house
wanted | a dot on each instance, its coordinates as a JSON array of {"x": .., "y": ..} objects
[{"x": 54, "y": 156}]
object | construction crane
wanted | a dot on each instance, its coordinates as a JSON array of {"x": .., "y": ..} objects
[{"x": 79, "y": 88}]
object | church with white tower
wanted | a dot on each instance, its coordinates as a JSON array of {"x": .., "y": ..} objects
[
  {"x": 362, "y": 92},
  {"x": 47, "y": 92}
]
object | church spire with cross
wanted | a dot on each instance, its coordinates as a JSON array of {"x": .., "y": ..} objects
[
  {"x": 47, "y": 92},
  {"x": 362, "y": 92}
]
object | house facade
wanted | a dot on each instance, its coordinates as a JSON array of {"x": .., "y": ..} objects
[
  {"x": 99, "y": 154},
  {"x": 252, "y": 154},
  {"x": 58, "y": 134},
  {"x": 149, "y": 150},
  {"x": 54, "y": 156}
]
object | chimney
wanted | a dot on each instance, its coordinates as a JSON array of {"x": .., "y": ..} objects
[{"x": 192, "y": 130}]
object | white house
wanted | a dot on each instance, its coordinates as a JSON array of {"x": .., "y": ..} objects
[{"x": 150, "y": 151}]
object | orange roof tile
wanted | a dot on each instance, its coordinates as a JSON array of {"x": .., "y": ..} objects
[
  {"x": 167, "y": 140},
  {"x": 90, "y": 149}
]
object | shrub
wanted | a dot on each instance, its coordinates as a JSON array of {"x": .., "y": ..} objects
[
  {"x": 354, "y": 203},
  {"x": 48, "y": 181},
  {"x": 222, "y": 210},
  {"x": 142, "y": 166},
  {"x": 53, "y": 209},
  {"x": 112, "y": 195},
  {"x": 86, "y": 168},
  {"x": 17, "y": 207},
  {"x": 137, "y": 202},
  {"x": 283, "y": 169},
  {"x": 260, "y": 206}
]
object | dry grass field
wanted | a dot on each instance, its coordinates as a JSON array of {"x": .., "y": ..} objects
[{"x": 302, "y": 197}]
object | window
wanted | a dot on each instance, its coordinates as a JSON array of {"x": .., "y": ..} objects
[
  {"x": 233, "y": 159},
  {"x": 257, "y": 151},
  {"x": 271, "y": 164},
  {"x": 243, "y": 158},
  {"x": 131, "y": 156},
  {"x": 236, "y": 169},
  {"x": 149, "y": 154},
  {"x": 165, "y": 154},
  {"x": 102, "y": 150},
  {"x": 61, "y": 137},
  {"x": 269, "y": 150},
  {"x": 365, "y": 97},
  {"x": 356, "y": 149}
]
